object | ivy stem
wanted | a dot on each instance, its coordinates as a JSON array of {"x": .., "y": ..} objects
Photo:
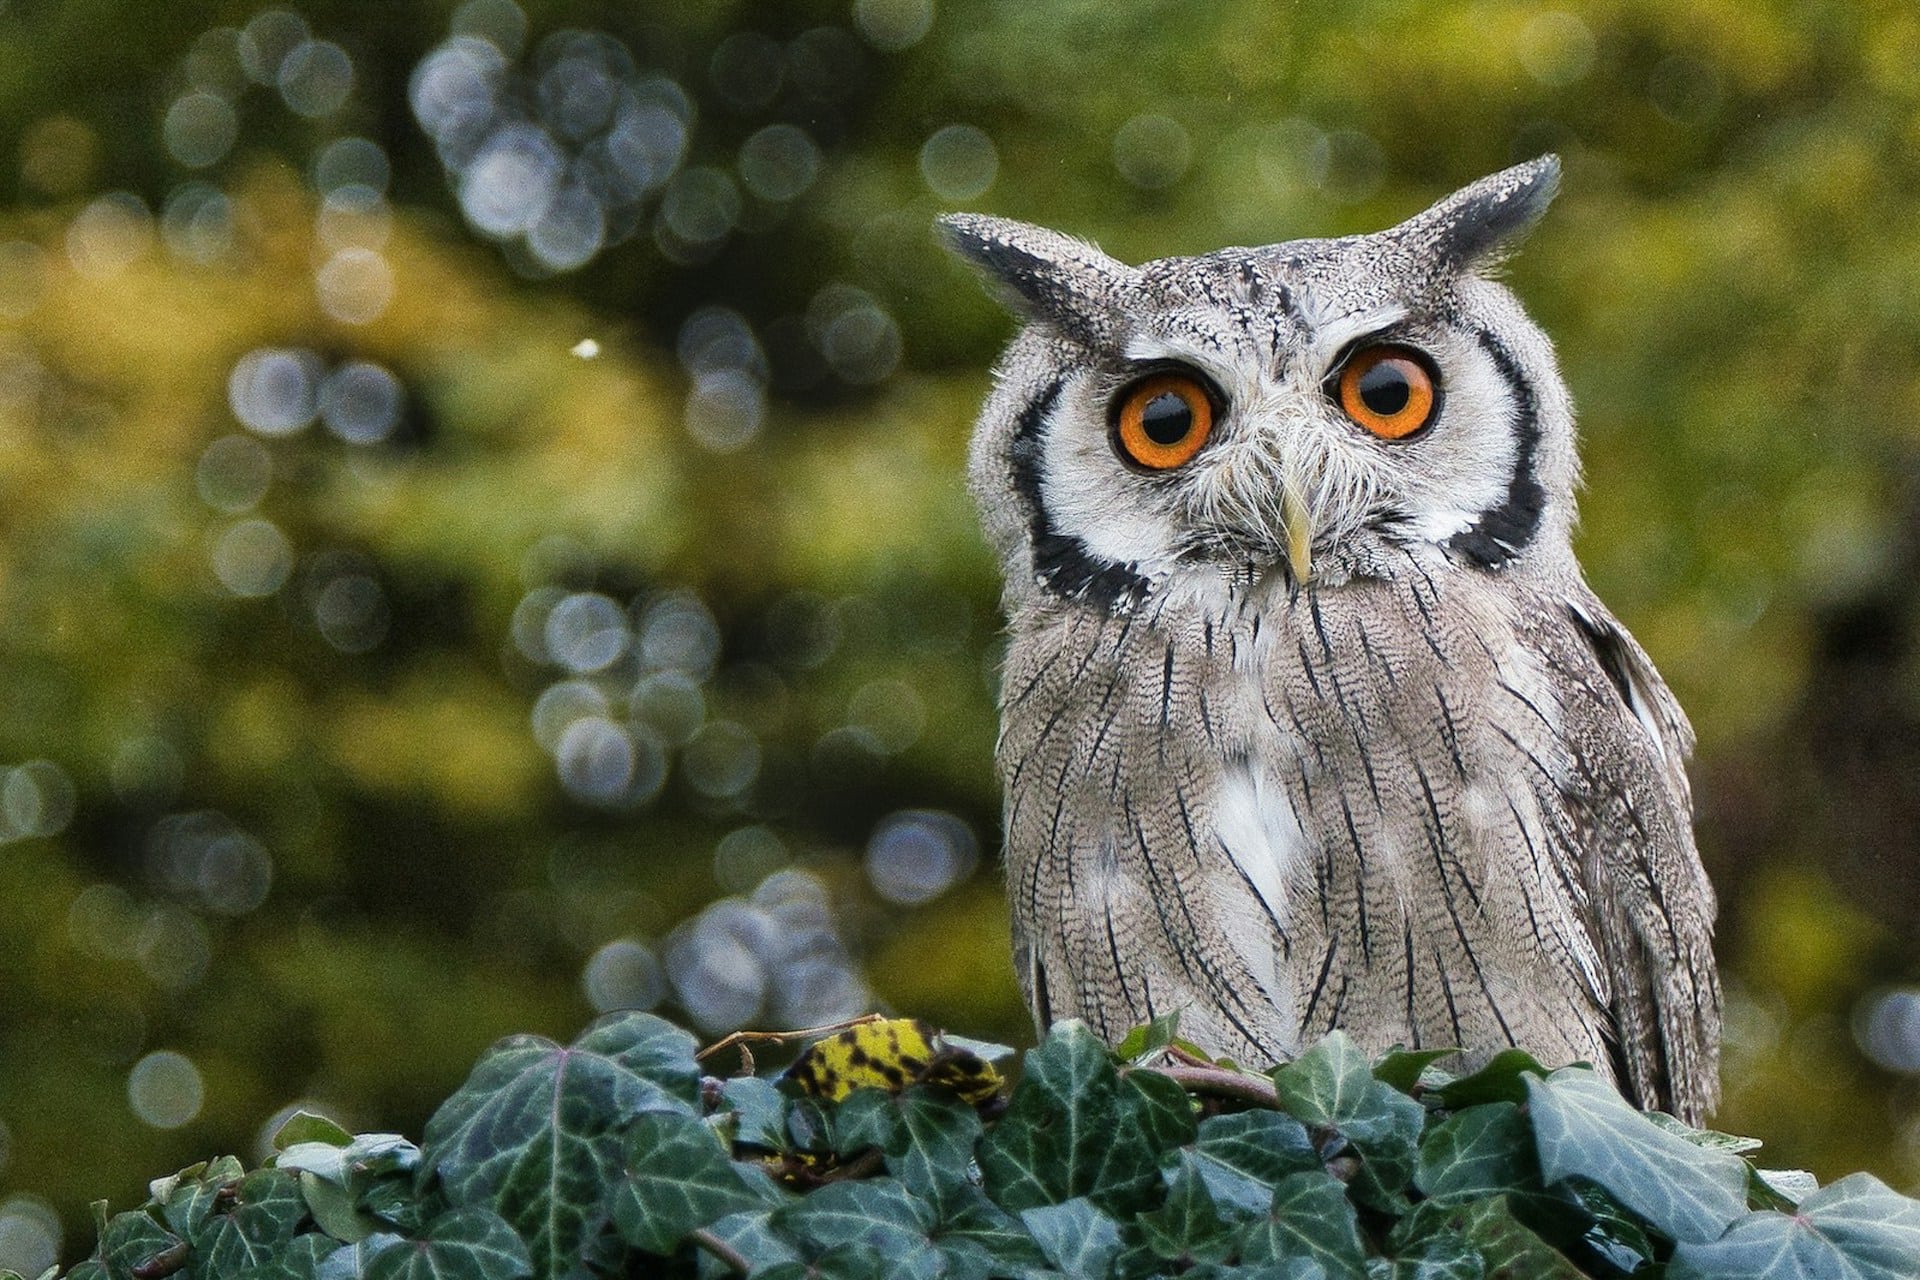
[
  {"x": 740, "y": 1039},
  {"x": 1221, "y": 1083},
  {"x": 720, "y": 1249},
  {"x": 864, "y": 1165}
]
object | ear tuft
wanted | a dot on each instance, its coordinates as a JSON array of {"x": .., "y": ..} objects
[
  {"x": 1041, "y": 274},
  {"x": 1472, "y": 228}
]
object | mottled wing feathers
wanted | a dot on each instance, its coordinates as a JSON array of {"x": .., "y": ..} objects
[
  {"x": 1416, "y": 738},
  {"x": 1653, "y": 906}
]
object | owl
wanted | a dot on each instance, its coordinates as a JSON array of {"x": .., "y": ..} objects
[{"x": 1309, "y": 718}]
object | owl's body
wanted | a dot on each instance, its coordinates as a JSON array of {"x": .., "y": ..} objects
[{"x": 1307, "y": 725}]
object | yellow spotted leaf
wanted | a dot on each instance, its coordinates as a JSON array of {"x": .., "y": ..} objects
[{"x": 892, "y": 1054}]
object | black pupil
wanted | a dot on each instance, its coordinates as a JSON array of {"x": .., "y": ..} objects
[
  {"x": 1384, "y": 388},
  {"x": 1167, "y": 419}
]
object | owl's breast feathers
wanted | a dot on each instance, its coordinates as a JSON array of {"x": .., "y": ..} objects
[{"x": 1430, "y": 810}]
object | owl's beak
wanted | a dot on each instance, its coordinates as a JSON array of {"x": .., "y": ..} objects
[{"x": 1296, "y": 519}]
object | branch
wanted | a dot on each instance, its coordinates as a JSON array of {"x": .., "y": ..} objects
[
  {"x": 741, "y": 1039},
  {"x": 1222, "y": 1083},
  {"x": 720, "y": 1249}
]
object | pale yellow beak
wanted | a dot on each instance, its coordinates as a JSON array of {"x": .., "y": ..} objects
[{"x": 1296, "y": 518}]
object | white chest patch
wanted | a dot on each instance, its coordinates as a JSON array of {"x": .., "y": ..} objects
[{"x": 1262, "y": 835}]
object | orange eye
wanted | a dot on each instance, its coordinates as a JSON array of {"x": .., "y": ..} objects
[
  {"x": 1163, "y": 420},
  {"x": 1388, "y": 390}
]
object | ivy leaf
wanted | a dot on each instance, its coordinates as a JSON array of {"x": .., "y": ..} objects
[
  {"x": 1507, "y": 1246},
  {"x": 1858, "y": 1228},
  {"x": 971, "y": 1221},
  {"x": 1070, "y": 1130},
  {"x": 1445, "y": 1255},
  {"x": 677, "y": 1178},
  {"x": 1402, "y": 1068},
  {"x": 1312, "y": 1220},
  {"x": 398, "y": 1205},
  {"x": 1502, "y": 1079},
  {"x": 926, "y": 1133},
  {"x": 1481, "y": 1151},
  {"x": 352, "y": 1261},
  {"x": 1329, "y": 1083},
  {"x": 1786, "y": 1188},
  {"x": 754, "y": 1237},
  {"x": 1573, "y": 1219},
  {"x": 210, "y": 1174},
  {"x": 1332, "y": 1084},
  {"x": 1607, "y": 1226},
  {"x": 352, "y": 1191},
  {"x": 335, "y": 1209},
  {"x": 1245, "y": 1155},
  {"x": 1161, "y": 1106},
  {"x": 267, "y": 1209},
  {"x": 1584, "y": 1129},
  {"x": 844, "y": 1262},
  {"x": 1075, "y": 1235},
  {"x": 302, "y": 1259},
  {"x": 937, "y": 1136},
  {"x": 309, "y": 1126},
  {"x": 325, "y": 1160},
  {"x": 810, "y": 1125},
  {"x": 966, "y": 1260},
  {"x": 466, "y": 1244},
  {"x": 1388, "y": 1139},
  {"x": 187, "y": 1199},
  {"x": 1427, "y": 1217},
  {"x": 133, "y": 1240},
  {"x": 759, "y": 1112},
  {"x": 1149, "y": 1037},
  {"x": 535, "y": 1132},
  {"x": 1189, "y": 1224},
  {"x": 877, "y": 1213},
  {"x": 865, "y": 1118},
  {"x": 1710, "y": 1138},
  {"x": 382, "y": 1153},
  {"x": 337, "y": 1181}
]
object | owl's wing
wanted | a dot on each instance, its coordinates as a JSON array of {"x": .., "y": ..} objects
[{"x": 1630, "y": 810}]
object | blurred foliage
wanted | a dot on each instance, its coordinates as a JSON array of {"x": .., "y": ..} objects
[{"x": 307, "y": 795}]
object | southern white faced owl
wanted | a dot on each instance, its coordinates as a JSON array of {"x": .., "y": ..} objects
[{"x": 1309, "y": 718}]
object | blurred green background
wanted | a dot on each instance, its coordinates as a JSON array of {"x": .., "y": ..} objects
[{"x": 482, "y": 535}]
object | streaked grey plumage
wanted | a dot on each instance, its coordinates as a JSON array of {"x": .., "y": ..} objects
[{"x": 1318, "y": 728}]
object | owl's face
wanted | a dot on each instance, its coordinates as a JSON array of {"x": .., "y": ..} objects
[{"x": 1307, "y": 411}]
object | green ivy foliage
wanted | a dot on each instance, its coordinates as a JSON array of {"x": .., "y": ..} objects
[{"x": 616, "y": 1156}]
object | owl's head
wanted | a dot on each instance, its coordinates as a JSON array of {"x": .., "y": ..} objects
[{"x": 1309, "y": 411}]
